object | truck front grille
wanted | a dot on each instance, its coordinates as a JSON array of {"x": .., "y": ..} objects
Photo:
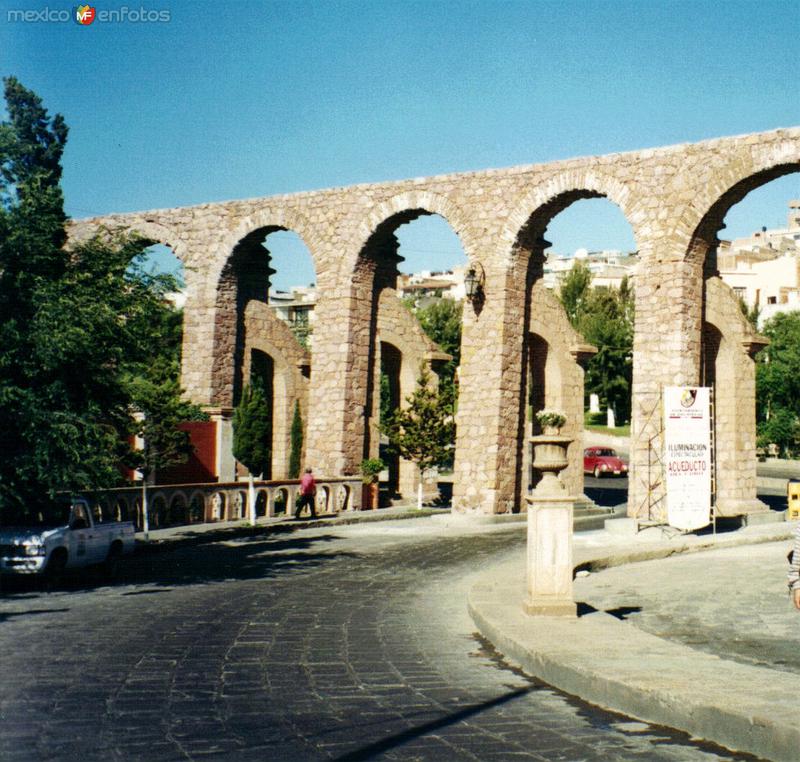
[{"x": 12, "y": 551}]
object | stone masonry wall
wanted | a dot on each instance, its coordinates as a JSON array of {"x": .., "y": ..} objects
[
  {"x": 675, "y": 199},
  {"x": 734, "y": 401}
]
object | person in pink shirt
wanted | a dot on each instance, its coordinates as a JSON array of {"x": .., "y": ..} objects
[{"x": 308, "y": 490}]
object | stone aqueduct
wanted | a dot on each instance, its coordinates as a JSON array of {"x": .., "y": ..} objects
[{"x": 688, "y": 330}]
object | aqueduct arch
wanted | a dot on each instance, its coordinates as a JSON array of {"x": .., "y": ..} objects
[
  {"x": 243, "y": 279},
  {"x": 289, "y": 370},
  {"x": 401, "y": 340},
  {"x": 520, "y": 308},
  {"x": 678, "y": 295},
  {"x": 367, "y": 272},
  {"x": 671, "y": 196}
]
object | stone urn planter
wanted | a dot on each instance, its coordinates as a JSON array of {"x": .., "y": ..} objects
[
  {"x": 370, "y": 469},
  {"x": 550, "y": 457}
]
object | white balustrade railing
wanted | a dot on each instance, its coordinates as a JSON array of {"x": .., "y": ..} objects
[{"x": 174, "y": 504}]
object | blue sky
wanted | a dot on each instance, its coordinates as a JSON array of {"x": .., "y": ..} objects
[{"x": 242, "y": 99}]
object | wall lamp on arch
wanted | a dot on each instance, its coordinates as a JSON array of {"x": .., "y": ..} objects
[{"x": 474, "y": 282}]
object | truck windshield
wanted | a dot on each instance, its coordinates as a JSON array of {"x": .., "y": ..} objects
[{"x": 46, "y": 515}]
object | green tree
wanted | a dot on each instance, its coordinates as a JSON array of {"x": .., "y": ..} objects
[
  {"x": 574, "y": 291},
  {"x": 302, "y": 330},
  {"x": 74, "y": 322},
  {"x": 605, "y": 320},
  {"x": 778, "y": 382},
  {"x": 441, "y": 322},
  {"x": 423, "y": 431},
  {"x": 31, "y": 239},
  {"x": 782, "y": 428},
  {"x": 296, "y": 443},
  {"x": 753, "y": 314},
  {"x": 386, "y": 404},
  {"x": 157, "y": 399},
  {"x": 252, "y": 420},
  {"x": 604, "y": 317}
]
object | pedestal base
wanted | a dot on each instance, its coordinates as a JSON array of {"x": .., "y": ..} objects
[
  {"x": 549, "y": 586},
  {"x": 560, "y": 608}
]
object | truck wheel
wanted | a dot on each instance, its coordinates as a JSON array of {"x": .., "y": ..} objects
[
  {"x": 111, "y": 565},
  {"x": 56, "y": 564}
]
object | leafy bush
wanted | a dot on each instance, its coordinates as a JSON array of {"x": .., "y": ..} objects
[
  {"x": 553, "y": 418},
  {"x": 370, "y": 468},
  {"x": 594, "y": 419}
]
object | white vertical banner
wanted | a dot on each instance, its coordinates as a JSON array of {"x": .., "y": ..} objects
[{"x": 687, "y": 455}]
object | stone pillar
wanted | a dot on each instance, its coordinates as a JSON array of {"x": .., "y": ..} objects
[
  {"x": 490, "y": 395},
  {"x": 409, "y": 475},
  {"x": 408, "y": 481},
  {"x": 197, "y": 350},
  {"x": 342, "y": 397},
  {"x": 666, "y": 352},
  {"x": 337, "y": 398},
  {"x": 730, "y": 344},
  {"x": 550, "y": 511},
  {"x": 675, "y": 299},
  {"x": 225, "y": 462}
]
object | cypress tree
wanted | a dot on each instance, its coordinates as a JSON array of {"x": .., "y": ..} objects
[
  {"x": 251, "y": 425},
  {"x": 297, "y": 443}
]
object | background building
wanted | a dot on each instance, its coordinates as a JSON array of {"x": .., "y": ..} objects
[{"x": 764, "y": 269}]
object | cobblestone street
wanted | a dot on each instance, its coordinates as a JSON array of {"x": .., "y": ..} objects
[{"x": 344, "y": 643}]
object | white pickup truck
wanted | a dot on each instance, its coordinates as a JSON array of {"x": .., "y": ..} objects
[{"x": 65, "y": 533}]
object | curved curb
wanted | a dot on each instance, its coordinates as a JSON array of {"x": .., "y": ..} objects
[{"x": 613, "y": 664}]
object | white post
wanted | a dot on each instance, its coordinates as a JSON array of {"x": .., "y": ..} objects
[
  {"x": 419, "y": 492},
  {"x": 145, "y": 520},
  {"x": 251, "y": 499}
]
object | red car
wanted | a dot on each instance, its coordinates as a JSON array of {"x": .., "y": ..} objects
[{"x": 603, "y": 461}]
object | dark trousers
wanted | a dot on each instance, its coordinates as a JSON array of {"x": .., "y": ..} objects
[{"x": 305, "y": 500}]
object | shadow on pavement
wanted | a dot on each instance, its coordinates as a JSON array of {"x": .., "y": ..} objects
[
  {"x": 398, "y": 739},
  {"x": 17, "y": 614},
  {"x": 606, "y": 493},
  {"x": 242, "y": 559},
  {"x": 621, "y": 612},
  {"x": 775, "y": 502}
]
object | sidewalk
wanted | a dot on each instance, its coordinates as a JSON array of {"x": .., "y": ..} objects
[
  {"x": 194, "y": 534},
  {"x": 704, "y": 642}
]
